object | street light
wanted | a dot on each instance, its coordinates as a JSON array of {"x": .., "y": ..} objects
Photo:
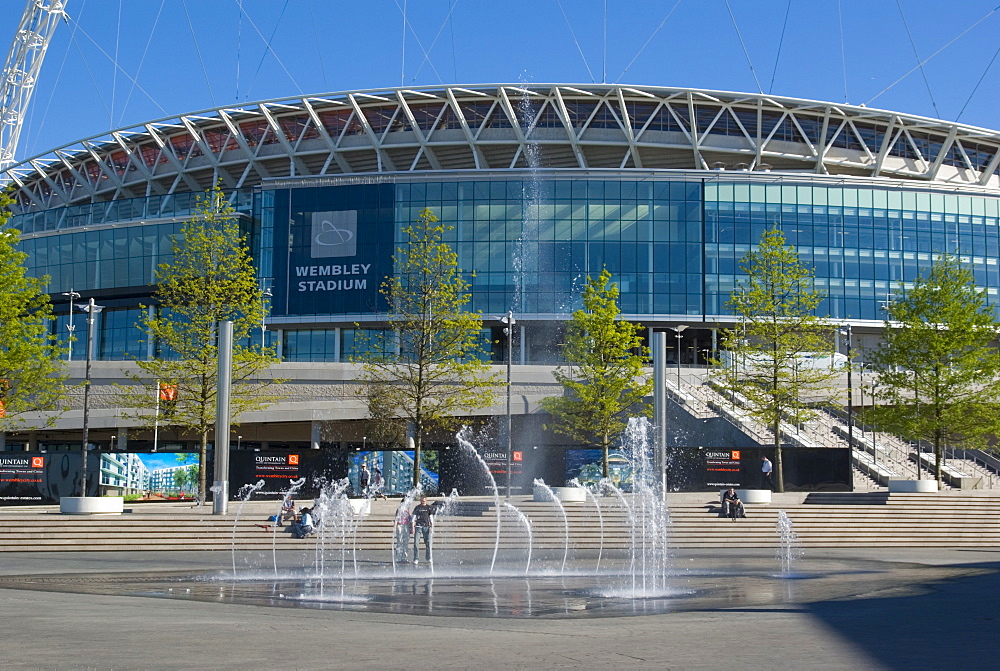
[
  {"x": 91, "y": 309},
  {"x": 71, "y": 326},
  {"x": 850, "y": 389},
  {"x": 239, "y": 441},
  {"x": 679, "y": 330},
  {"x": 364, "y": 443},
  {"x": 508, "y": 330}
]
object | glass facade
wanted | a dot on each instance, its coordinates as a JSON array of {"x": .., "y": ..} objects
[{"x": 528, "y": 243}]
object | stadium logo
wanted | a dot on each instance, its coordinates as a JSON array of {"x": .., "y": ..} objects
[{"x": 334, "y": 234}]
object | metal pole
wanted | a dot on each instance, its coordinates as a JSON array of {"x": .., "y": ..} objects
[
  {"x": 850, "y": 393},
  {"x": 92, "y": 310},
  {"x": 659, "y": 352},
  {"x": 222, "y": 428},
  {"x": 71, "y": 327}
]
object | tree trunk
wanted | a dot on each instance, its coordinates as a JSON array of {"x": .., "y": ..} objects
[
  {"x": 417, "y": 451},
  {"x": 777, "y": 469},
  {"x": 604, "y": 457}
]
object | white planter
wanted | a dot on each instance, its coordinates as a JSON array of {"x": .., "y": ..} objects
[
  {"x": 564, "y": 494},
  {"x": 913, "y": 486},
  {"x": 92, "y": 505},
  {"x": 361, "y": 506}
]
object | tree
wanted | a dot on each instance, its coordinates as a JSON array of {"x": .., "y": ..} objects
[
  {"x": 429, "y": 365},
  {"x": 31, "y": 376},
  {"x": 938, "y": 367},
  {"x": 210, "y": 279},
  {"x": 605, "y": 383},
  {"x": 779, "y": 334}
]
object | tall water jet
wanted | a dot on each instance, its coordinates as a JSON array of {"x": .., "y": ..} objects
[
  {"x": 648, "y": 517},
  {"x": 789, "y": 547},
  {"x": 600, "y": 517},
  {"x": 552, "y": 496},
  {"x": 526, "y": 523},
  {"x": 463, "y": 437},
  {"x": 244, "y": 494},
  {"x": 289, "y": 496}
]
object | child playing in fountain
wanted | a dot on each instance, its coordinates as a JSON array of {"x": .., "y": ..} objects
[{"x": 423, "y": 521}]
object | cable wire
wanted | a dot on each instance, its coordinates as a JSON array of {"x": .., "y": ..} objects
[
  {"x": 923, "y": 73},
  {"x": 142, "y": 60},
  {"x": 976, "y": 87},
  {"x": 781, "y": 41},
  {"x": 197, "y": 49},
  {"x": 267, "y": 48},
  {"x": 437, "y": 36},
  {"x": 843, "y": 50},
  {"x": 926, "y": 60},
  {"x": 648, "y": 40},
  {"x": 742, "y": 44},
  {"x": 576, "y": 41}
]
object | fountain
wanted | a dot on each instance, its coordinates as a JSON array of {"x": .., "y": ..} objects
[{"x": 789, "y": 548}]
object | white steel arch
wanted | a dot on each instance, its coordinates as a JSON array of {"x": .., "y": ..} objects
[{"x": 20, "y": 72}]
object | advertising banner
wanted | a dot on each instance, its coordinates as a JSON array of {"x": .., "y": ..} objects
[
  {"x": 805, "y": 468},
  {"x": 37, "y": 478},
  {"x": 333, "y": 248},
  {"x": 278, "y": 470}
]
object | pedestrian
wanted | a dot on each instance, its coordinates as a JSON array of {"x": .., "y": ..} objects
[
  {"x": 287, "y": 512},
  {"x": 732, "y": 507},
  {"x": 378, "y": 485},
  {"x": 423, "y": 523},
  {"x": 402, "y": 538},
  {"x": 765, "y": 469},
  {"x": 363, "y": 479}
]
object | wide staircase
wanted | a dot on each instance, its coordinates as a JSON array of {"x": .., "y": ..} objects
[{"x": 821, "y": 520}]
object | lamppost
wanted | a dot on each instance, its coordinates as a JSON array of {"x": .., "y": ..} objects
[
  {"x": 364, "y": 443},
  {"x": 91, "y": 309},
  {"x": 508, "y": 330},
  {"x": 679, "y": 331},
  {"x": 846, "y": 331},
  {"x": 71, "y": 326},
  {"x": 239, "y": 441}
]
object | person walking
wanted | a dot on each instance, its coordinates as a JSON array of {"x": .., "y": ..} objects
[
  {"x": 423, "y": 522},
  {"x": 378, "y": 485},
  {"x": 765, "y": 470},
  {"x": 364, "y": 477}
]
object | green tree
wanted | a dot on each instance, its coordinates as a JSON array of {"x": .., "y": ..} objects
[
  {"x": 605, "y": 383},
  {"x": 937, "y": 364},
  {"x": 779, "y": 334},
  {"x": 429, "y": 365},
  {"x": 31, "y": 376},
  {"x": 210, "y": 279}
]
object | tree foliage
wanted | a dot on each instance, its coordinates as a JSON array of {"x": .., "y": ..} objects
[
  {"x": 209, "y": 279},
  {"x": 938, "y": 367},
  {"x": 605, "y": 383},
  {"x": 777, "y": 336},
  {"x": 31, "y": 376},
  {"x": 430, "y": 365}
]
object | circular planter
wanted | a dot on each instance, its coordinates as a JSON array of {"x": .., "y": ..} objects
[
  {"x": 912, "y": 486},
  {"x": 92, "y": 505},
  {"x": 565, "y": 494}
]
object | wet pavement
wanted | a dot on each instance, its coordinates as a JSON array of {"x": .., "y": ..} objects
[{"x": 900, "y": 609}]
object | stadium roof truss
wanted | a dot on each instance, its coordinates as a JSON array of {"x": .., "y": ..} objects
[{"x": 500, "y": 127}]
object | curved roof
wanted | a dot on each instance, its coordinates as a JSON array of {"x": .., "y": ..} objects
[{"x": 505, "y": 126}]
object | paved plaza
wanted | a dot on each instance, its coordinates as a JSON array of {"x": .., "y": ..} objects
[{"x": 900, "y": 609}]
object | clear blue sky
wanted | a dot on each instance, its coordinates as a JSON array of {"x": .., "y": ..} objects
[{"x": 187, "y": 55}]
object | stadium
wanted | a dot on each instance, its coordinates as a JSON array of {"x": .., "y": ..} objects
[{"x": 543, "y": 186}]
